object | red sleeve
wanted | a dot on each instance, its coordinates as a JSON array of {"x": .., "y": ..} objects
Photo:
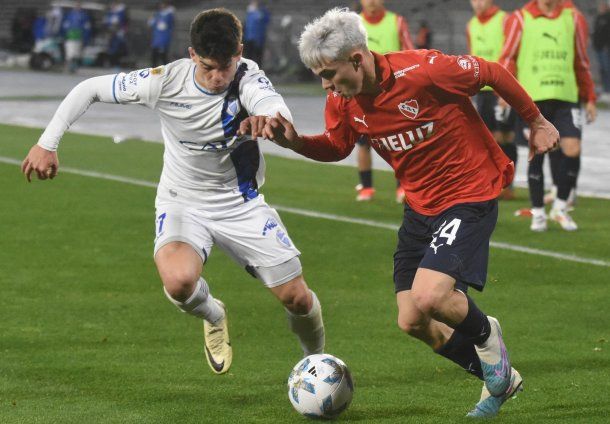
[
  {"x": 403, "y": 34},
  {"x": 586, "y": 88},
  {"x": 338, "y": 140},
  {"x": 513, "y": 30},
  {"x": 458, "y": 75},
  {"x": 507, "y": 87}
]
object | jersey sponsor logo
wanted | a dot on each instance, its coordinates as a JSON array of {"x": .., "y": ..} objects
[
  {"x": 402, "y": 72},
  {"x": 405, "y": 140},
  {"x": 211, "y": 146},
  {"x": 144, "y": 73},
  {"x": 409, "y": 108},
  {"x": 361, "y": 120},
  {"x": 180, "y": 105}
]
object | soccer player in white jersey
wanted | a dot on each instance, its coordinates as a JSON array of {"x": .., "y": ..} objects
[{"x": 209, "y": 188}]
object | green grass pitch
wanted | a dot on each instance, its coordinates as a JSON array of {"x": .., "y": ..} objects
[{"x": 87, "y": 336}]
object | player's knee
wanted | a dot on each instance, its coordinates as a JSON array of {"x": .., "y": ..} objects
[
  {"x": 411, "y": 327},
  {"x": 179, "y": 284},
  {"x": 428, "y": 302},
  {"x": 572, "y": 150},
  {"x": 296, "y": 297}
]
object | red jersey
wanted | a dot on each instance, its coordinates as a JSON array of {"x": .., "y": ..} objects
[
  {"x": 425, "y": 126},
  {"x": 513, "y": 30}
]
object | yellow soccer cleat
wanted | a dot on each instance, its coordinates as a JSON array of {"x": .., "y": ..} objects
[{"x": 218, "y": 350}]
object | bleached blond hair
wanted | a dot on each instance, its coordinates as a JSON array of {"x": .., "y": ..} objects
[{"x": 331, "y": 37}]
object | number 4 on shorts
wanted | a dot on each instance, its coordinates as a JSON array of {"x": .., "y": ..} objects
[{"x": 449, "y": 231}]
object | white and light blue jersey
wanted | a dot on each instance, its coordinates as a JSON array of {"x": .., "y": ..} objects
[{"x": 205, "y": 163}]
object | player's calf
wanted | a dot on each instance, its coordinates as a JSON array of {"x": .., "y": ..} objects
[{"x": 304, "y": 314}]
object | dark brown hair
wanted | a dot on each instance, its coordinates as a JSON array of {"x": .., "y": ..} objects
[{"x": 216, "y": 33}]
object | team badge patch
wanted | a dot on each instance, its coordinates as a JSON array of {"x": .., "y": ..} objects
[
  {"x": 410, "y": 108},
  {"x": 283, "y": 238},
  {"x": 464, "y": 63}
]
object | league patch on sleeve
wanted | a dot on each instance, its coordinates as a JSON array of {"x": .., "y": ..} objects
[
  {"x": 469, "y": 62},
  {"x": 265, "y": 84}
]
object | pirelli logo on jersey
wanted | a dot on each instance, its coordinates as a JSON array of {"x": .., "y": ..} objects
[{"x": 405, "y": 140}]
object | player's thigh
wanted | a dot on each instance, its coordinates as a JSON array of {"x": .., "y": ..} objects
[
  {"x": 414, "y": 236},
  {"x": 178, "y": 264},
  {"x": 258, "y": 241},
  {"x": 460, "y": 243},
  {"x": 182, "y": 244}
]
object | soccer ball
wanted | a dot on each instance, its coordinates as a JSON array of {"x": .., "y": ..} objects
[{"x": 320, "y": 386}]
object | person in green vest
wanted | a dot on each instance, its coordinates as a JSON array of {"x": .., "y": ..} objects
[
  {"x": 546, "y": 48},
  {"x": 386, "y": 32},
  {"x": 485, "y": 35}
]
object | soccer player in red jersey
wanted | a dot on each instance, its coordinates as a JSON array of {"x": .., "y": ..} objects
[{"x": 414, "y": 108}]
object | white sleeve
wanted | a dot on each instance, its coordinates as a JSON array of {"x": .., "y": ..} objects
[
  {"x": 141, "y": 87},
  {"x": 98, "y": 89},
  {"x": 137, "y": 87},
  {"x": 258, "y": 96}
]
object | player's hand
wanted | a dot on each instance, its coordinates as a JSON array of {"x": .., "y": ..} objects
[
  {"x": 41, "y": 161},
  {"x": 591, "y": 111},
  {"x": 253, "y": 125},
  {"x": 544, "y": 137},
  {"x": 281, "y": 131}
]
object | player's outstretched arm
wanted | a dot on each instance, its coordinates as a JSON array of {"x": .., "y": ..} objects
[{"x": 42, "y": 157}]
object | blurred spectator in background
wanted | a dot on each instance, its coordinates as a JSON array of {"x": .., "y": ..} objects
[
  {"x": 546, "y": 48},
  {"x": 76, "y": 28},
  {"x": 601, "y": 44},
  {"x": 115, "y": 23},
  {"x": 162, "y": 25},
  {"x": 255, "y": 31},
  {"x": 485, "y": 36},
  {"x": 386, "y": 32},
  {"x": 423, "y": 40}
]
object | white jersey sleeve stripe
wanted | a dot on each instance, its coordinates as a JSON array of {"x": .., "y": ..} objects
[{"x": 114, "y": 89}]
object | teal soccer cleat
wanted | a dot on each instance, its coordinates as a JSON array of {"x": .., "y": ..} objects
[
  {"x": 494, "y": 361},
  {"x": 489, "y": 406}
]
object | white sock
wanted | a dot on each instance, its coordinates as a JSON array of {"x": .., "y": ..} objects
[
  {"x": 200, "y": 304},
  {"x": 309, "y": 328},
  {"x": 559, "y": 204}
]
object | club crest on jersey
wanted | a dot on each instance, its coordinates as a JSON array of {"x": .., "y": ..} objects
[
  {"x": 409, "y": 108},
  {"x": 233, "y": 107}
]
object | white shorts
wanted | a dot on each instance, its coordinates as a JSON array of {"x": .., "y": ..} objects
[
  {"x": 256, "y": 238},
  {"x": 73, "y": 49}
]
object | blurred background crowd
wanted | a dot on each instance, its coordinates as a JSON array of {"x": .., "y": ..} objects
[{"x": 138, "y": 33}]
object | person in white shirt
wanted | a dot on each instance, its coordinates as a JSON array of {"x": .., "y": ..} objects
[{"x": 209, "y": 188}]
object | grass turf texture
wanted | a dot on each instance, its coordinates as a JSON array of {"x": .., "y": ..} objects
[{"x": 88, "y": 336}]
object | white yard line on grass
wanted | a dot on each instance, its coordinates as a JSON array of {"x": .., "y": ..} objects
[{"x": 332, "y": 217}]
